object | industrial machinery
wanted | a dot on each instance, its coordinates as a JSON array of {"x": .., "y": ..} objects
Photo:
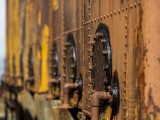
[{"x": 82, "y": 60}]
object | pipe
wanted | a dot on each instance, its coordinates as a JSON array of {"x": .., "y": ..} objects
[
  {"x": 28, "y": 80},
  {"x": 96, "y": 98},
  {"x": 66, "y": 90},
  {"x": 52, "y": 82}
]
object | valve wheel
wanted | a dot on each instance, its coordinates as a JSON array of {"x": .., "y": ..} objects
[
  {"x": 70, "y": 60},
  {"x": 54, "y": 61},
  {"x": 101, "y": 72}
]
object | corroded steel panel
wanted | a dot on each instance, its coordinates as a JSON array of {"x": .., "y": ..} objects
[
  {"x": 31, "y": 23},
  {"x": 122, "y": 19},
  {"x": 64, "y": 41},
  {"x": 150, "y": 80}
]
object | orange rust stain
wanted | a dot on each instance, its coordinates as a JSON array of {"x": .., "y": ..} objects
[{"x": 151, "y": 23}]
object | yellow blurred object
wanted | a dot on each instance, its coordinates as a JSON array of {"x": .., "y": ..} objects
[
  {"x": 108, "y": 113},
  {"x": 39, "y": 18},
  {"x": 55, "y": 5},
  {"x": 44, "y": 65}
]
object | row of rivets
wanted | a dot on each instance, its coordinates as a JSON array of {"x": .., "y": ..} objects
[{"x": 110, "y": 14}]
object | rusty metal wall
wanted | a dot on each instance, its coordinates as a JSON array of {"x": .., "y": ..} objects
[
  {"x": 122, "y": 18},
  {"x": 149, "y": 77},
  {"x": 133, "y": 33}
]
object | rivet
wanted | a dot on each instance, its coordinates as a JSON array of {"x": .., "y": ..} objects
[
  {"x": 139, "y": 3},
  {"x": 119, "y": 11},
  {"x": 115, "y": 12},
  {"x": 98, "y": 18},
  {"x": 126, "y": 16},
  {"x": 101, "y": 17},
  {"x": 123, "y": 9},
  {"x": 111, "y": 13},
  {"x": 94, "y": 20},
  {"x": 104, "y": 16},
  {"x": 107, "y": 15},
  {"x": 125, "y": 35},
  {"x": 126, "y": 7},
  {"x": 126, "y": 45},
  {"x": 125, "y": 26},
  {"x": 135, "y": 4},
  {"x": 131, "y": 6}
]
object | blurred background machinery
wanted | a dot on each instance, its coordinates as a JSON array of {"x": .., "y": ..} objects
[{"x": 82, "y": 60}]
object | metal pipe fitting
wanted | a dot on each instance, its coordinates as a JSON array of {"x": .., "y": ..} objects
[
  {"x": 28, "y": 80},
  {"x": 52, "y": 82},
  {"x": 66, "y": 90},
  {"x": 96, "y": 98}
]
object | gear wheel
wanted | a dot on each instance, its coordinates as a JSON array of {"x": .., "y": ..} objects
[
  {"x": 70, "y": 60},
  {"x": 101, "y": 72},
  {"x": 54, "y": 61}
]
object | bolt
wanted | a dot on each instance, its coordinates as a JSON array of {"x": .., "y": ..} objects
[
  {"x": 92, "y": 42},
  {"x": 119, "y": 11},
  {"x": 126, "y": 16},
  {"x": 100, "y": 34},
  {"x": 72, "y": 76},
  {"x": 91, "y": 53},
  {"x": 123, "y": 9},
  {"x": 125, "y": 26},
  {"x": 105, "y": 52},
  {"x": 92, "y": 20},
  {"x": 126, "y": 45},
  {"x": 126, "y": 35},
  {"x": 103, "y": 40}
]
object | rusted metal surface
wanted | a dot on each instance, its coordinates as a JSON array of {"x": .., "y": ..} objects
[
  {"x": 76, "y": 49},
  {"x": 150, "y": 29}
]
